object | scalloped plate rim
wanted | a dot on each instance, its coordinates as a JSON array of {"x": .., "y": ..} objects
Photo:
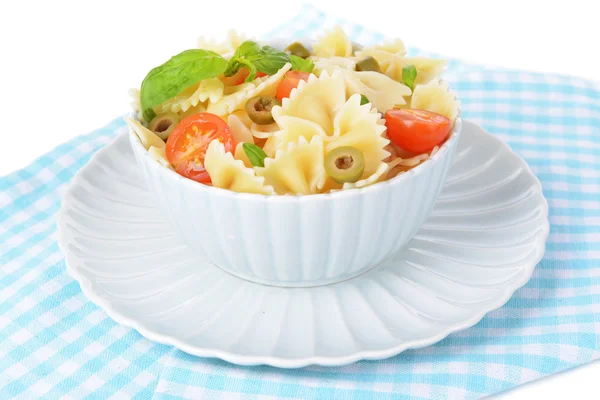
[{"x": 240, "y": 359}]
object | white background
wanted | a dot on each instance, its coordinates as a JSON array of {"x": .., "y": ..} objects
[{"x": 65, "y": 67}]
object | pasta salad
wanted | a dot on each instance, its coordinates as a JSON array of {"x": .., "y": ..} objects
[{"x": 303, "y": 119}]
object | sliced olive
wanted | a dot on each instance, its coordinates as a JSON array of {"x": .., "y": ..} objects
[
  {"x": 368, "y": 64},
  {"x": 298, "y": 50},
  {"x": 164, "y": 124},
  {"x": 345, "y": 164},
  {"x": 259, "y": 109}
]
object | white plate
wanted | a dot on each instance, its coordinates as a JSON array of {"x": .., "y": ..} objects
[{"x": 482, "y": 242}]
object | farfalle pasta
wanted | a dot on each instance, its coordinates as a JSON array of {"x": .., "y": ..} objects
[
  {"x": 228, "y": 173},
  {"x": 334, "y": 43},
  {"x": 265, "y": 86},
  {"x": 301, "y": 120},
  {"x": 229, "y": 45},
  {"x": 383, "y": 92},
  {"x": 437, "y": 97},
  {"x": 292, "y": 128},
  {"x": 315, "y": 100},
  {"x": 330, "y": 64},
  {"x": 206, "y": 90},
  {"x": 299, "y": 169},
  {"x": 358, "y": 128},
  {"x": 395, "y": 46}
]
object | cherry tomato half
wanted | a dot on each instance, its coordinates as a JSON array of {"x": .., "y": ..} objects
[
  {"x": 290, "y": 81},
  {"x": 187, "y": 144},
  {"x": 418, "y": 131}
]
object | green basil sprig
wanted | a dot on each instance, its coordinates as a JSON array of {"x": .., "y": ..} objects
[
  {"x": 256, "y": 58},
  {"x": 301, "y": 64},
  {"x": 255, "y": 154},
  {"x": 183, "y": 70},
  {"x": 363, "y": 99},
  {"x": 409, "y": 75}
]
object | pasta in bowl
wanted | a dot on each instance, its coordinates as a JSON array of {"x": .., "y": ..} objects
[{"x": 292, "y": 165}]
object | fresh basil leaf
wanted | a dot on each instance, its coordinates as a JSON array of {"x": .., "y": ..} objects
[
  {"x": 363, "y": 99},
  {"x": 251, "y": 67},
  {"x": 301, "y": 64},
  {"x": 250, "y": 54},
  {"x": 183, "y": 70},
  {"x": 409, "y": 75},
  {"x": 247, "y": 49},
  {"x": 271, "y": 60},
  {"x": 255, "y": 154}
]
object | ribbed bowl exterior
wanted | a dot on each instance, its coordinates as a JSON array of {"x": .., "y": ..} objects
[{"x": 299, "y": 240}]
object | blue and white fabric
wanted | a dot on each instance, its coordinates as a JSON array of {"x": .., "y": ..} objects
[{"x": 54, "y": 343}]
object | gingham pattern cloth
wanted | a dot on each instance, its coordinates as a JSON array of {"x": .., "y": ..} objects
[{"x": 54, "y": 343}]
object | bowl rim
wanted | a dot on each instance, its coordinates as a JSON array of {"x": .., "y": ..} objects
[{"x": 441, "y": 154}]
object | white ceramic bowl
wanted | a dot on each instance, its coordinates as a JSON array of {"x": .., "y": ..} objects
[{"x": 305, "y": 240}]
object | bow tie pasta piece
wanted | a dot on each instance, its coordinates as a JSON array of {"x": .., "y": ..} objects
[
  {"x": 360, "y": 128},
  {"x": 333, "y": 43},
  {"x": 330, "y": 64},
  {"x": 243, "y": 117},
  {"x": 270, "y": 147},
  {"x": 229, "y": 90},
  {"x": 427, "y": 68},
  {"x": 263, "y": 131},
  {"x": 159, "y": 155},
  {"x": 391, "y": 64},
  {"x": 352, "y": 114},
  {"x": 208, "y": 89},
  {"x": 226, "y": 47},
  {"x": 317, "y": 100},
  {"x": 383, "y": 92},
  {"x": 194, "y": 110},
  {"x": 146, "y": 136},
  {"x": 244, "y": 130},
  {"x": 395, "y": 46},
  {"x": 437, "y": 97},
  {"x": 228, "y": 173},
  {"x": 293, "y": 128},
  {"x": 297, "y": 170},
  {"x": 265, "y": 86},
  {"x": 241, "y": 155},
  {"x": 240, "y": 131}
]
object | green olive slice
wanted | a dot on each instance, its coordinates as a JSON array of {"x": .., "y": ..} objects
[
  {"x": 368, "y": 64},
  {"x": 164, "y": 124},
  {"x": 259, "y": 109},
  {"x": 345, "y": 164},
  {"x": 297, "y": 49}
]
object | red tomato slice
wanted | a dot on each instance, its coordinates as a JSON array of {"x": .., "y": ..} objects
[
  {"x": 289, "y": 82},
  {"x": 418, "y": 131},
  {"x": 187, "y": 144}
]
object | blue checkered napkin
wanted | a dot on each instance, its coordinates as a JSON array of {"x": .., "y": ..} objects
[{"x": 56, "y": 344}]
